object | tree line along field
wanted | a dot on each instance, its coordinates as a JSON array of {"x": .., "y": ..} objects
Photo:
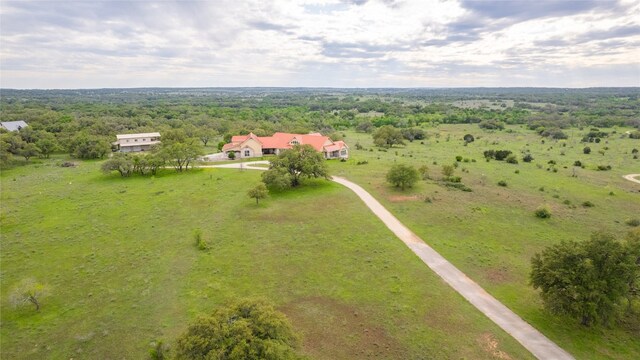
[
  {"x": 119, "y": 257},
  {"x": 491, "y": 233}
]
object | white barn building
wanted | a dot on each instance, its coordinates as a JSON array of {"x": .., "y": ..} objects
[{"x": 137, "y": 142}]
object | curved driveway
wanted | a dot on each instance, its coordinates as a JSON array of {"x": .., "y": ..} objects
[
  {"x": 534, "y": 341},
  {"x": 632, "y": 177}
]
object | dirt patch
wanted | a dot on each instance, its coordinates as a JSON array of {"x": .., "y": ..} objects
[
  {"x": 490, "y": 345},
  {"x": 402, "y": 198},
  {"x": 334, "y": 330},
  {"x": 498, "y": 275}
]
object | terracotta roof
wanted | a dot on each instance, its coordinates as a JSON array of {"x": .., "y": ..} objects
[{"x": 281, "y": 140}]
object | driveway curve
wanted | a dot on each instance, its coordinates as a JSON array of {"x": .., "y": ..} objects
[
  {"x": 533, "y": 340},
  {"x": 632, "y": 177}
]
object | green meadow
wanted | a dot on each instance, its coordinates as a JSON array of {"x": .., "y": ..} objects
[
  {"x": 491, "y": 232},
  {"x": 120, "y": 259}
]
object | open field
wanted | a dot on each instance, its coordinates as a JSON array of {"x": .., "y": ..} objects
[
  {"x": 119, "y": 256},
  {"x": 491, "y": 232}
]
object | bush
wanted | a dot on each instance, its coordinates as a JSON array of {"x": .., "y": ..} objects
[
  {"x": 458, "y": 186},
  {"x": 543, "y": 212},
  {"x": 363, "y": 162},
  {"x": 458, "y": 158},
  {"x": 511, "y": 159},
  {"x": 604, "y": 167},
  {"x": 633, "y": 222},
  {"x": 527, "y": 158},
  {"x": 635, "y": 135},
  {"x": 468, "y": 138},
  {"x": 243, "y": 330},
  {"x": 201, "y": 244},
  {"x": 502, "y": 183},
  {"x": 586, "y": 150},
  {"x": 577, "y": 163},
  {"x": 424, "y": 172},
  {"x": 588, "y": 204}
]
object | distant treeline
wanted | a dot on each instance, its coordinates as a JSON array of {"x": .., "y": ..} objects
[{"x": 68, "y": 116}]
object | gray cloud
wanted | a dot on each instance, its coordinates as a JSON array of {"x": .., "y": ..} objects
[{"x": 527, "y": 9}]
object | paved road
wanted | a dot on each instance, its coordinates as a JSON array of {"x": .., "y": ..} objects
[
  {"x": 632, "y": 177},
  {"x": 534, "y": 341}
]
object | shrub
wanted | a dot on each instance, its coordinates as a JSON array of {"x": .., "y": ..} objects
[
  {"x": 633, "y": 222},
  {"x": 586, "y": 150},
  {"x": 588, "y": 204},
  {"x": 502, "y": 183},
  {"x": 447, "y": 170},
  {"x": 201, "y": 244},
  {"x": 231, "y": 155},
  {"x": 458, "y": 158},
  {"x": 604, "y": 167},
  {"x": 458, "y": 186},
  {"x": 577, "y": 163},
  {"x": 468, "y": 138},
  {"x": 527, "y": 158},
  {"x": 543, "y": 212},
  {"x": 363, "y": 162},
  {"x": 424, "y": 172},
  {"x": 246, "y": 329},
  {"x": 635, "y": 135},
  {"x": 511, "y": 159}
]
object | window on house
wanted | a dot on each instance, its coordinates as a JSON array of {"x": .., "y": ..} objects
[
  {"x": 136, "y": 140},
  {"x": 247, "y": 153},
  {"x": 295, "y": 142},
  {"x": 343, "y": 152}
]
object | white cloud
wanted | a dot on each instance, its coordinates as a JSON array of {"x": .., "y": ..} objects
[{"x": 317, "y": 43}]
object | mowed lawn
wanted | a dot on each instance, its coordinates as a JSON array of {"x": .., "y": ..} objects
[
  {"x": 491, "y": 233},
  {"x": 120, "y": 259}
]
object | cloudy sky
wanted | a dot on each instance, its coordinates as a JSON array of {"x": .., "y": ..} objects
[{"x": 328, "y": 43}]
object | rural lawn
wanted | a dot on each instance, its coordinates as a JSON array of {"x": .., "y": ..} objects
[
  {"x": 119, "y": 256},
  {"x": 491, "y": 233}
]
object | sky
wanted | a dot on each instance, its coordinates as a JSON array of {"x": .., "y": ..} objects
[{"x": 319, "y": 43}]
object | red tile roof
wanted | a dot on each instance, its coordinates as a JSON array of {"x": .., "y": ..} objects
[{"x": 281, "y": 140}]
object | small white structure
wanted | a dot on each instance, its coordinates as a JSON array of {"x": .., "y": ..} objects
[
  {"x": 137, "y": 142},
  {"x": 13, "y": 125}
]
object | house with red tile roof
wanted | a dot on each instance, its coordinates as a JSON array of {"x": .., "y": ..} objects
[{"x": 247, "y": 146}]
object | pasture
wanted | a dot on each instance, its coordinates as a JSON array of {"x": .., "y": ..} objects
[
  {"x": 491, "y": 232},
  {"x": 124, "y": 271}
]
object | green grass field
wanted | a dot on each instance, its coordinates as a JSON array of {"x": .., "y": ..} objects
[
  {"x": 119, "y": 256},
  {"x": 491, "y": 233}
]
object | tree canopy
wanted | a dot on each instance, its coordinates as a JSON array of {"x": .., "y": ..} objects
[
  {"x": 244, "y": 330},
  {"x": 402, "y": 176},
  {"x": 293, "y": 165},
  {"x": 387, "y": 136},
  {"x": 590, "y": 280}
]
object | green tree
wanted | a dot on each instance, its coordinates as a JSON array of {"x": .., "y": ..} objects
[
  {"x": 244, "y": 330},
  {"x": 122, "y": 163},
  {"x": 258, "y": 192},
  {"x": 28, "y": 151},
  {"x": 300, "y": 162},
  {"x": 84, "y": 146},
  {"x": 387, "y": 136},
  {"x": 47, "y": 144},
  {"x": 205, "y": 135},
  {"x": 402, "y": 176},
  {"x": 588, "y": 280},
  {"x": 447, "y": 170},
  {"x": 180, "y": 155},
  {"x": 28, "y": 291},
  {"x": 277, "y": 179}
]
